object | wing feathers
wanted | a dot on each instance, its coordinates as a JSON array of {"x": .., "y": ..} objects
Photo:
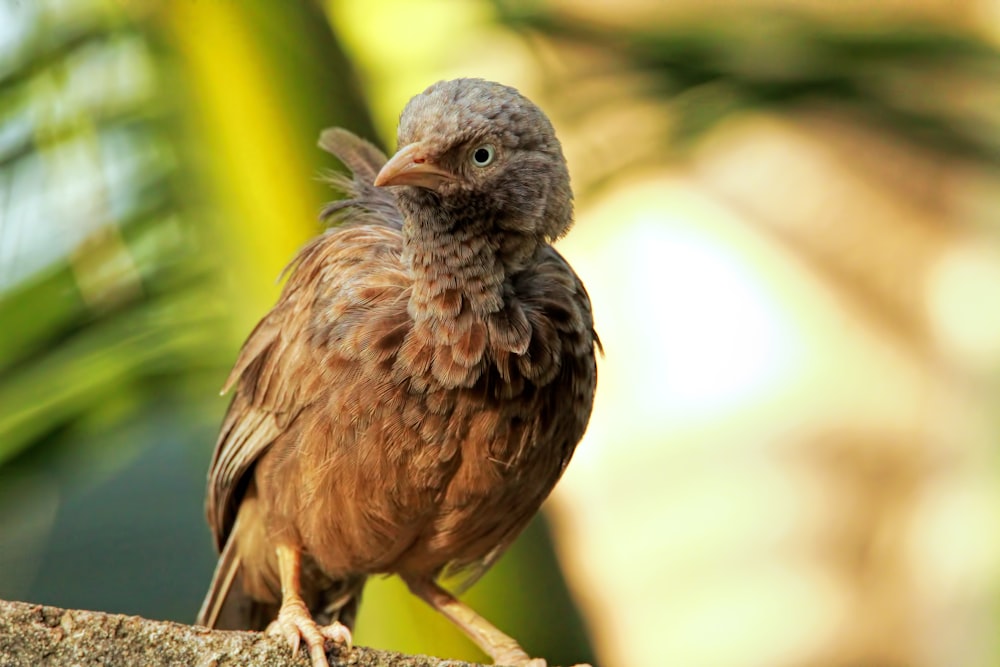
[
  {"x": 292, "y": 340},
  {"x": 279, "y": 371}
]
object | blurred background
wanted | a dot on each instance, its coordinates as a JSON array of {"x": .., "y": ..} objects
[{"x": 788, "y": 221}]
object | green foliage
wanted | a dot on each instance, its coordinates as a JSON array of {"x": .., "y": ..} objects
[{"x": 103, "y": 304}]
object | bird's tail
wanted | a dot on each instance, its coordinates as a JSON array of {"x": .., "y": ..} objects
[{"x": 227, "y": 606}]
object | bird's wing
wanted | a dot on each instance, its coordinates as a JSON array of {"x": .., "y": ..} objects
[{"x": 336, "y": 276}]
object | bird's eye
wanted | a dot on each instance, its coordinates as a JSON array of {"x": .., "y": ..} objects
[{"x": 483, "y": 155}]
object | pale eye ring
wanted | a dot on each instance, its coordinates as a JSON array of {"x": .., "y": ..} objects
[{"x": 483, "y": 155}]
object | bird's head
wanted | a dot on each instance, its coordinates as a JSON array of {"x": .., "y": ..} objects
[{"x": 471, "y": 148}]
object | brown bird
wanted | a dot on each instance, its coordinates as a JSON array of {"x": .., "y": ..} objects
[{"x": 420, "y": 385}]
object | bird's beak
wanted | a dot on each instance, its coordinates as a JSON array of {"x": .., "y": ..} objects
[{"x": 410, "y": 166}]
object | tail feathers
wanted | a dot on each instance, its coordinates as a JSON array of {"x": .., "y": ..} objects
[
  {"x": 227, "y": 606},
  {"x": 226, "y": 572}
]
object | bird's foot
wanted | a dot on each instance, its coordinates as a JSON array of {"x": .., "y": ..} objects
[{"x": 295, "y": 623}]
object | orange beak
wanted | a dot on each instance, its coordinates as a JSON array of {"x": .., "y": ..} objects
[{"x": 410, "y": 166}]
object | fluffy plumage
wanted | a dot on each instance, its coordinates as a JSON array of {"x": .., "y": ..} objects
[{"x": 420, "y": 385}]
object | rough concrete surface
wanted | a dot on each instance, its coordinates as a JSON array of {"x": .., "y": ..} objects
[{"x": 33, "y": 635}]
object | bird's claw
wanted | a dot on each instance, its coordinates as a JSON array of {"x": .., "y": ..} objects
[
  {"x": 338, "y": 633},
  {"x": 294, "y": 623}
]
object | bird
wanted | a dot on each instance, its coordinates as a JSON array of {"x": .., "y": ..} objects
[{"x": 420, "y": 385}]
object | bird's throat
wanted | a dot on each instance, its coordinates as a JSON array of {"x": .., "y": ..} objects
[{"x": 455, "y": 271}]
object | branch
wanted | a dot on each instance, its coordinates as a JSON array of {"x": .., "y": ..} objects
[{"x": 38, "y": 636}]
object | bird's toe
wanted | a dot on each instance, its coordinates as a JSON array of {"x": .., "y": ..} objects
[
  {"x": 339, "y": 633},
  {"x": 295, "y": 624}
]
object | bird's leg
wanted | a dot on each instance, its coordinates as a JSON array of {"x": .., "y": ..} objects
[
  {"x": 294, "y": 622},
  {"x": 502, "y": 648}
]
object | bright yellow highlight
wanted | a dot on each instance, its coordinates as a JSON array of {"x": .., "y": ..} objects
[{"x": 237, "y": 102}]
